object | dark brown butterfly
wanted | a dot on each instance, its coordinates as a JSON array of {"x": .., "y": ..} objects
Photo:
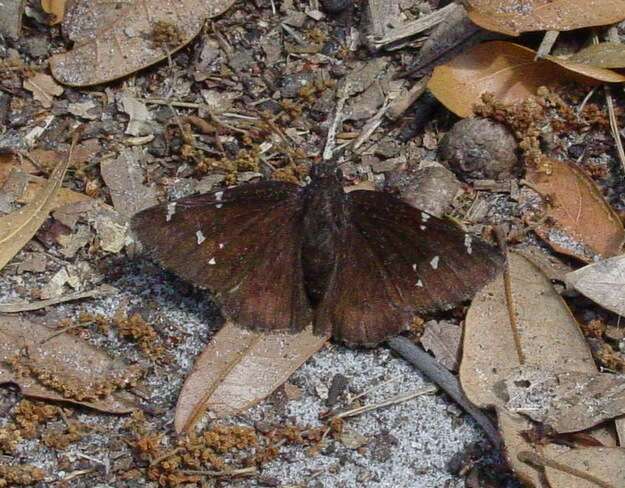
[{"x": 360, "y": 265}]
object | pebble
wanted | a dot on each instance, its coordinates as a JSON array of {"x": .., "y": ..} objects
[{"x": 478, "y": 148}]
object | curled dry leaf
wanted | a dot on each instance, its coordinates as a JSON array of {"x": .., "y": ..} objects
[
  {"x": 602, "y": 282},
  {"x": 566, "y": 402},
  {"x": 238, "y": 369},
  {"x": 512, "y": 17},
  {"x": 605, "y": 464},
  {"x": 68, "y": 363},
  {"x": 43, "y": 88},
  {"x": 18, "y": 227},
  {"x": 537, "y": 329},
  {"x": 507, "y": 70},
  {"x": 580, "y": 222},
  {"x": 143, "y": 33}
]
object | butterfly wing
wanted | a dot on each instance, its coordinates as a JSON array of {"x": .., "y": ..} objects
[
  {"x": 242, "y": 244},
  {"x": 395, "y": 262}
]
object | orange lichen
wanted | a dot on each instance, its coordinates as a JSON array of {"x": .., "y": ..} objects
[{"x": 20, "y": 475}]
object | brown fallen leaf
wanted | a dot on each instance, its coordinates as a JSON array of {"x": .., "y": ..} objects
[
  {"x": 43, "y": 88},
  {"x": 543, "y": 334},
  {"x": 512, "y": 17},
  {"x": 133, "y": 42},
  {"x": 567, "y": 402},
  {"x": 603, "y": 282},
  {"x": 238, "y": 369},
  {"x": 18, "y": 227},
  {"x": 602, "y": 55},
  {"x": 507, "y": 70},
  {"x": 56, "y": 9},
  {"x": 60, "y": 367},
  {"x": 580, "y": 222},
  {"x": 605, "y": 464}
]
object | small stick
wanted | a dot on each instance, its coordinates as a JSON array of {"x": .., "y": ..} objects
[
  {"x": 445, "y": 380},
  {"x": 547, "y": 44},
  {"x": 529, "y": 457},
  {"x": 232, "y": 472},
  {"x": 343, "y": 95},
  {"x": 509, "y": 299},
  {"x": 386, "y": 403},
  {"x": 405, "y": 101},
  {"x": 616, "y": 133}
]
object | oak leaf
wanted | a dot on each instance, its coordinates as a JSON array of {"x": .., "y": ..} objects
[
  {"x": 513, "y": 17},
  {"x": 238, "y": 369}
]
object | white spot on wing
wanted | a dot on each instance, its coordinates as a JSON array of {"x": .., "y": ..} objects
[
  {"x": 414, "y": 266},
  {"x": 212, "y": 261},
  {"x": 171, "y": 210},
  {"x": 422, "y": 227},
  {"x": 219, "y": 195},
  {"x": 420, "y": 284},
  {"x": 221, "y": 245},
  {"x": 219, "y": 205},
  {"x": 200, "y": 237},
  {"x": 434, "y": 262},
  {"x": 425, "y": 217}
]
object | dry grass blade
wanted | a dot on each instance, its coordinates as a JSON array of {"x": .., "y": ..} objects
[
  {"x": 591, "y": 467},
  {"x": 238, "y": 369},
  {"x": 17, "y": 228}
]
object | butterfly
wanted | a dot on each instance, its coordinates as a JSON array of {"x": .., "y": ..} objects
[{"x": 359, "y": 265}]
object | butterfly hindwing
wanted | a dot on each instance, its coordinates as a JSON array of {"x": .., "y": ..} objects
[
  {"x": 241, "y": 243},
  {"x": 395, "y": 262}
]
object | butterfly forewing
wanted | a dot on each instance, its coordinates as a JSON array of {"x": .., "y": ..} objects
[
  {"x": 395, "y": 262},
  {"x": 241, "y": 243}
]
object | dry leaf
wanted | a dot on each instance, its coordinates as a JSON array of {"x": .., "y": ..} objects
[
  {"x": 56, "y": 8},
  {"x": 140, "y": 117},
  {"x": 17, "y": 228},
  {"x": 603, "y": 55},
  {"x": 238, "y": 369},
  {"x": 98, "y": 292},
  {"x": 124, "y": 177},
  {"x": 548, "y": 338},
  {"x": 581, "y": 223},
  {"x": 512, "y": 17},
  {"x": 605, "y": 463},
  {"x": 72, "y": 363},
  {"x": 508, "y": 71},
  {"x": 602, "y": 282},
  {"x": 44, "y": 88},
  {"x": 133, "y": 41},
  {"x": 442, "y": 339},
  {"x": 566, "y": 402}
]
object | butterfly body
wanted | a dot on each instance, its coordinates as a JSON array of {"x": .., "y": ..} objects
[{"x": 277, "y": 256}]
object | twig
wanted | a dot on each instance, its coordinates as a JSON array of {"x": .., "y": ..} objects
[
  {"x": 445, "y": 380},
  {"x": 231, "y": 472},
  {"x": 343, "y": 95},
  {"x": 509, "y": 300},
  {"x": 529, "y": 457},
  {"x": 63, "y": 331},
  {"x": 547, "y": 44},
  {"x": 616, "y": 133},
  {"x": 405, "y": 101},
  {"x": 168, "y": 454},
  {"x": 414, "y": 27},
  {"x": 100, "y": 291},
  {"x": 385, "y": 403}
]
